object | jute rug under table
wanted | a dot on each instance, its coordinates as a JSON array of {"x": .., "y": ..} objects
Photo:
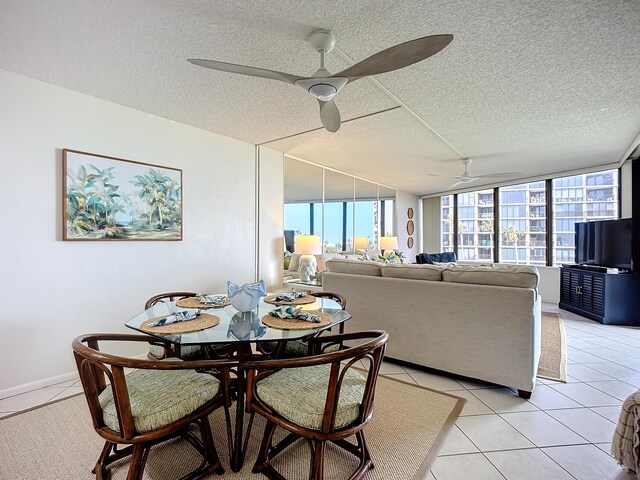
[
  {"x": 553, "y": 355},
  {"x": 57, "y": 441}
]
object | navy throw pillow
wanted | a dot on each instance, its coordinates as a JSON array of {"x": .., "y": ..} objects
[{"x": 444, "y": 257}]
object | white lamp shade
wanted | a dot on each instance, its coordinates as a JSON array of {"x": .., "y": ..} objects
[
  {"x": 361, "y": 243},
  {"x": 388, "y": 243},
  {"x": 308, "y": 244}
]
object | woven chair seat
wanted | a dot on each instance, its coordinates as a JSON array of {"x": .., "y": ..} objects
[
  {"x": 299, "y": 348},
  {"x": 160, "y": 397},
  {"x": 185, "y": 350},
  {"x": 299, "y": 395}
]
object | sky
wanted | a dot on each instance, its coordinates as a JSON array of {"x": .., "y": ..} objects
[{"x": 296, "y": 217}]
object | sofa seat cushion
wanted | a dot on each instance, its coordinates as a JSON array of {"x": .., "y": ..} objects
[
  {"x": 160, "y": 397},
  {"x": 354, "y": 267},
  {"x": 413, "y": 272},
  {"x": 519, "y": 276},
  {"x": 299, "y": 395}
]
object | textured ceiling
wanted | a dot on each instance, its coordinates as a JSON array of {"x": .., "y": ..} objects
[{"x": 528, "y": 87}]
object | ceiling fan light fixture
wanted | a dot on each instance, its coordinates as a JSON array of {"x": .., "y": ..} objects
[{"x": 323, "y": 91}]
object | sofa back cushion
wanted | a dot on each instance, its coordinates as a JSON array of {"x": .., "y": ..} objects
[
  {"x": 444, "y": 257},
  {"x": 506, "y": 276},
  {"x": 354, "y": 267},
  {"x": 413, "y": 272}
]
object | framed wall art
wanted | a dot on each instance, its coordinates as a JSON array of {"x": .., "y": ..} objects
[{"x": 108, "y": 198}]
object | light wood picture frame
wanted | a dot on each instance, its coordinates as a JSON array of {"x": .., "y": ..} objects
[{"x": 113, "y": 199}]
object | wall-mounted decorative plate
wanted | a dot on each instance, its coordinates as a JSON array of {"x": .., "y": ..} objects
[
  {"x": 410, "y": 213},
  {"x": 410, "y": 242},
  {"x": 410, "y": 227}
]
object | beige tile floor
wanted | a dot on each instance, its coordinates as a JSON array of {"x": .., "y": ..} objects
[{"x": 563, "y": 432}]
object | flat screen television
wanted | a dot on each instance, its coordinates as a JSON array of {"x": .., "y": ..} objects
[{"x": 605, "y": 243}]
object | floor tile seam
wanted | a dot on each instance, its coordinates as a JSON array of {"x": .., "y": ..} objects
[
  {"x": 587, "y": 364},
  {"x": 550, "y": 458},
  {"x": 551, "y": 417},
  {"x": 566, "y": 396},
  {"x": 567, "y": 426},
  {"x": 494, "y": 466},
  {"x": 621, "y": 381},
  {"x": 586, "y": 406},
  {"x": 536, "y": 408},
  {"x": 597, "y": 413},
  {"x": 536, "y": 448}
]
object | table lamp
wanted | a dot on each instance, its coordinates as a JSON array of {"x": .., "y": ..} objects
[
  {"x": 388, "y": 245},
  {"x": 308, "y": 246},
  {"x": 361, "y": 243}
]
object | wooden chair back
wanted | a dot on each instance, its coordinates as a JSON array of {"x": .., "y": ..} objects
[
  {"x": 370, "y": 350},
  {"x": 99, "y": 370},
  {"x": 167, "y": 297}
]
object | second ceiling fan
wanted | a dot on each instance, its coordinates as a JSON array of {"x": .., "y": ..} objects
[
  {"x": 324, "y": 86},
  {"x": 466, "y": 177}
]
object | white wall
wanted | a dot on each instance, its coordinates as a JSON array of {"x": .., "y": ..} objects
[
  {"x": 404, "y": 200},
  {"x": 52, "y": 291},
  {"x": 271, "y": 214}
]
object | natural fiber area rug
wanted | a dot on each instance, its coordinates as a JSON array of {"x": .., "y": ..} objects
[
  {"x": 553, "y": 355},
  {"x": 57, "y": 441}
]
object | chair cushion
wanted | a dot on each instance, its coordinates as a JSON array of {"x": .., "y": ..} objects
[
  {"x": 299, "y": 348},
  {"x": 185, "y": 350},
  {"x": 160, "y": 397},
  {"x": 299, "y": 395}
]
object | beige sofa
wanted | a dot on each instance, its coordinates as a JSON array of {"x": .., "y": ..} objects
[{"x": 478, "y": 322}]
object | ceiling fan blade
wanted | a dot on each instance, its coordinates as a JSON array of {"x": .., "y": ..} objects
[
  {"x": 245, "y": 70},
  {"x": 330, "y": 115},
  {"x": 464, "y": 181},
  {"x": 441, "y": 176},
  {"x": 396, "y": 57},
  {"x": 502, "y": 175}
]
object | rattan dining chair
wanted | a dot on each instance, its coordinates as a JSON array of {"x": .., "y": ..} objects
[
  {"x": 300, "y": 348},
  {"x": 319, "y": 398},
  {"x": 159, "y": 350},
  {"x": 157, "y": 401}
]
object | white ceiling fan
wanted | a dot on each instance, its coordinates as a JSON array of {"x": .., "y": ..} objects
[
  {"x": 466, "y": 177},
  {"x": 324, "y": 86}
]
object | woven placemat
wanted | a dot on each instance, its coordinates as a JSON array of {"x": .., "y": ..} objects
[
  {"x": 295, "y": 323},
  {"x": 298, "y": 301},
  {"x": 203, "y": 321},
  {"x": 193, "y": 302}
]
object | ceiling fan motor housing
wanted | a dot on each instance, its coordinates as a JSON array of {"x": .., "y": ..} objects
[{"x": 322, "y": 88}]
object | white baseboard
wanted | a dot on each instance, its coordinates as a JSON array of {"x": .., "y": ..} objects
[
  {"x": 45, "y": 382},
  {"x": 48, "y": 382}
]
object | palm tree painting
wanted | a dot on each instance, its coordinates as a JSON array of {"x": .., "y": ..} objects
[{"x": 107, "y": 198}]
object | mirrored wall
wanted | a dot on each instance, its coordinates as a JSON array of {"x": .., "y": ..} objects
[{"x": 337, "y": 207}]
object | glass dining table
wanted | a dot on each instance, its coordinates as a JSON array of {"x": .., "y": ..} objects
[{"x": 242, "y": 331}]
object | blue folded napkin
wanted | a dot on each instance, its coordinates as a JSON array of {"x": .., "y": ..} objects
[
  {"x": 287, "y": 312},
  {"x": 289, "y": 297},
  {"x": 207, "y": 299},
  {"x": 182, "y": 316}
]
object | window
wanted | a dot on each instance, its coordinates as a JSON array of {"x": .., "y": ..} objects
[
  {"x": 298, "y": 217},
  {"x": 580, "y": 198},
  {"x": 523, "y": 218},
  {"x": 446, "y": 220},
  {"x": 523, "y": 225},
  {"x": 475, "y": 225}
]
